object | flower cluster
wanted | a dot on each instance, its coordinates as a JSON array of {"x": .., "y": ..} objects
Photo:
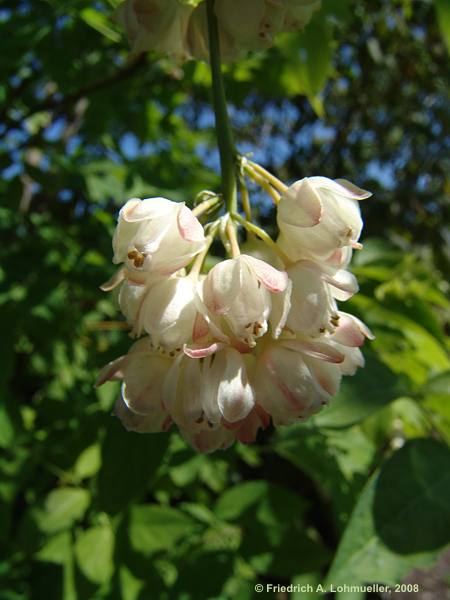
[
  {"x": 257, "y": 338},
  {"x": 179, "y": 28}
]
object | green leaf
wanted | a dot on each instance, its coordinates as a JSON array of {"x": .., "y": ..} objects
[
  {"x": 234, "y": 502},
  {"x": 94, "y": 550},
  {"x": 62, "y": 509},
  {"x": 439, "y": 384},
  {"x": 100, "y": 23},
  {"x": 57, "y": 549},
  {"x": 370, "y": 389},
  {"x": 401, "y": 520},
  {"x": 88, "y": 462},
  {"x": 153, "y": 528},
  {"x": 443, "y": 17}
]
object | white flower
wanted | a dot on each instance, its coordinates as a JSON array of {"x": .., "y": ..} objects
[
  {"x": 140, "y": 405},
  {"x": 159, "y": 25},
  {"x": 164, "y": 308},
  {"x": 292, "y": 378},
  {"x": 156, "y": 236},
  {"x": 314, "y": 290},
  {"x": 240, "y": 292},
  {"x": 318, "y": 216},
  {"x": 200, "y": 395}
]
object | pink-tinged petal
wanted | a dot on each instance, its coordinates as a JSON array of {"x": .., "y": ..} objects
[
  {"x": 353, "y": 191},
  {"x": 295, "y": 402},
  {"x": 326, "y": 375},
  {"x": 201, "y": 327},
  {"x": 255, "y": 420},
  {"x": 351, "y": 331},
  {"x": 111, "y": 371},
  {"x": 189, "y": 226},
  {"x": 202, "y": 351},
  {"x": 208, "y": 441},
  {"x": 318, "y": 350},
  {"x": 117, "y": 278},
  {"x": 272, "y": 279},
  {"x": 348, "y": 333}
]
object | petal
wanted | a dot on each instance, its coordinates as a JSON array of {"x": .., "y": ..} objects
[
  {"x": 189, "y": 226},
  {"x": 111, "y": 371},
  {"x": 221, "y": 286},
  {"x": 281, "y": 305},
  {"x": 327, "y": 375},
  {"x": 152, "y": 423},
  {"x": 353, "y": 191},
  {"x": 351, "y": 331},
  {"x": 200, "y": 351},
  {"x": 353, "y": 359},
  {"x": 300, "y": 205},
  {"x": 114, "y": 281},
  {"x": 235, "y": 395},
  {"x": 201, "y": 328},
  {"x": 139, "y": 210},
  {"x": 272, "y": 279},
  {"x": 344, "y": 284},
  {"x": 319, "y": 350}
]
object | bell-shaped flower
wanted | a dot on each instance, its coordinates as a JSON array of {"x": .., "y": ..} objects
[
  {"x": 239, "y": 293},
  {"x": 349, "y": 335},
  {"x": 295, "y": 378},
  {"x": 314, "y": 290},
  {"x": 143, "y": 373},
  {"x": 156, "y": 236},
  {"x": 200, "y": 395},
  {"x": 159, "y": 25},
  {"x": 164, "y": 308},
  {"x": 317, "y": 216}
]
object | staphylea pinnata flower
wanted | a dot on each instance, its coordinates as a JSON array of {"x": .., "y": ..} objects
[{"x": 254, "y": 339}]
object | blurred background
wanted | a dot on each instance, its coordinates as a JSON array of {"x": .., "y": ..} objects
[{"x": 361, "y": 494}]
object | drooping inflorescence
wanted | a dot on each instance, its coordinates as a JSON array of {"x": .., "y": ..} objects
[{"x": 257, "y": 338}]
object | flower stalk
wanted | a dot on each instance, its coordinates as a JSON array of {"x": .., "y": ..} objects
[{"x": 223, "y": 130}]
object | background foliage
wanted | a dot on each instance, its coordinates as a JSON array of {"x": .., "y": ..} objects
[{"x": 361, "y": 494}]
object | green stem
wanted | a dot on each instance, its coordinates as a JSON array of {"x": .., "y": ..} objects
[{"x": 223, "y": 130}]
